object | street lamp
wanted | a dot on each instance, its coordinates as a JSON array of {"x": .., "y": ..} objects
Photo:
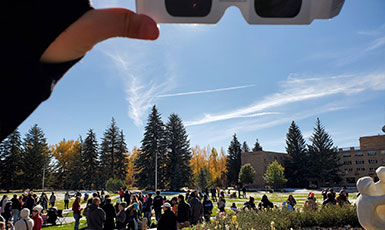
[{"x": 168, "y": 150}]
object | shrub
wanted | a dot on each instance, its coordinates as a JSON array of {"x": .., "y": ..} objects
[
  {"x": 114, "y": 185},
  {"x": 331, "y": 216}
]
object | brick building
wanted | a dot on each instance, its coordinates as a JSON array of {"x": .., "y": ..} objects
[
  {"x": 364, "y": 160},
  {"x": 260, "y": 160}
]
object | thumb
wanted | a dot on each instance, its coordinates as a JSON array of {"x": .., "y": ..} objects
[{"x": 95, "y": 26}]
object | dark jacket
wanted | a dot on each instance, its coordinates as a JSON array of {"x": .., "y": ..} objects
[
  {"x": 16, "y": 204},
  {"x": 121, "y": 220},
  {"x": 147, "y": 205},
  {"x": 196, "y": 210},
  {"x": 95, "y": 217},
  {"x": 158, "y": 202},
  {"x": 207, "y": 206},
  {"x": 184, "y": 211},
  {"x": 110, "y": 215},
  {"x": 167, "y": 221}
]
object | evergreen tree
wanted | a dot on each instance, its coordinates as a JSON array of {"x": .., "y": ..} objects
[
  {"x": 11, "y": 161},
  {"x": 121, "y": 158},
  {"x": 234, "y": 161},
  {"x": 296, "y": 164},
  {"x": 89, "y": 160},
  {"x": 245, "y": 147},
  {"x": 179, "y": 155},
  {"x": 75, "y": 172},
  {"x": 203, "y": 178},
  {"x": 257, "y": 146},
  {"x": 109, "y": 149},
  {"x": 324, "y": 160},
  {"x": 36, "y": 158},
  {"x": 153, "y": 144}
]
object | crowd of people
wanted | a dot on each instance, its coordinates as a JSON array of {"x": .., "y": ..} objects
[{"x": 135, "y": 210}]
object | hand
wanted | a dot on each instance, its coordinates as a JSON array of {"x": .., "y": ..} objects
[{"x": 96, "y": 26}]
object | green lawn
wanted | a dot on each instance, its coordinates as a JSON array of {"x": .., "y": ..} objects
[{"x": 69, "y": 226}]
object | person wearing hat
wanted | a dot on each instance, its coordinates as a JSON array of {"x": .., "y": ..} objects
[
  {"x": 167, "y": 220},
  {"x": 24, "y": 223},
  {"x": 37, "y": 219}
]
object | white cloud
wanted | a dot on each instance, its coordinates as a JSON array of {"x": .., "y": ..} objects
[
  {"x": 376, "y": 44},
  {"x": 296, "y": 90}
]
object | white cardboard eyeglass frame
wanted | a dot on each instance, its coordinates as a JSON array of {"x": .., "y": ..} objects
[{"x": 310, "y": 10}]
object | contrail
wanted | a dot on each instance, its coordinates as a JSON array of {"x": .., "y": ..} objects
[{"x": 206, "y": 91}]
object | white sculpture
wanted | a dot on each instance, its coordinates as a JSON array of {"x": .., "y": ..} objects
[{"x": 371, "y": 202}]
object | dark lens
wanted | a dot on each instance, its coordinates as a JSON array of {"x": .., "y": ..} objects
[
  {"x": 188, "y": 8},
  {"x": 277, "y": 8}
]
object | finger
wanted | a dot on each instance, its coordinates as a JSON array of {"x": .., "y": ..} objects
[{"x": 96, "y": 26}]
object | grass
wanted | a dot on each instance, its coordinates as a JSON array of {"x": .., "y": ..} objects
[{"x": 69, "y": 226}]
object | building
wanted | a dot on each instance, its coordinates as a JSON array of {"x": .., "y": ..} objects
[
  {"x": 364, "y": 160},
  {"x": 260, "y": 160}
]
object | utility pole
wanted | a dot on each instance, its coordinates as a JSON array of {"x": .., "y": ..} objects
[{"x": 42, "y": 186}]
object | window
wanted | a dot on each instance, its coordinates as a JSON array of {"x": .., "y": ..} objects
[
  {"x": 358, "y": 154},
  {"x": 383, "y": 160},
  {"x": 372, "y": 161},
  {"x": 349, "y": 170},
  {"x": 383, "y": 152},
  {"x": 360, "y": 169},
  {"x": 371, "y": 169},
  {"x": 346, "y": 155},
  {"x": 350, "y": 180},
  {"x": 347, "y": 162},
  {"x": 360, "y": 162},
  {"x": 372, "y": 153}
]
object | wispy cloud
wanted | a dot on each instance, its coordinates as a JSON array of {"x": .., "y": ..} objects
[
  {"x": 206, "y": 91},
  {"x": 373, "y": 32},
  {"x": 376, "y": 44},
  {"x": 296, "y": 90}
]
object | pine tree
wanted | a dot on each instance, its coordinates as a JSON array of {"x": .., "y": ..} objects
[
  {"x": 11, "y": 161},
  {"x": 179, "y": 155},
  {"x": 324, "y": 160},
  {"x": 36, "y": 158},
  {"x": 75, "y": 172},
  {"x": 296, "y": 164},
  {"x": 109, "y": 149},
  {"x": 121, "y": 158},
  {"x": 89, "y": 159},
  {"x": 245, "y": 147},
  {"x": 257, "y": 146},
  {"x": 234, "y": 161},
  {"x": 153, "y": 144}
]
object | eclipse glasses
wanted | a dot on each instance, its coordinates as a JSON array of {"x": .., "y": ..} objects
[{"x": 289, "y": 12}]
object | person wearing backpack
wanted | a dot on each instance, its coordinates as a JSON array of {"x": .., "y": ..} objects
[{"x": 25, "y": 223}]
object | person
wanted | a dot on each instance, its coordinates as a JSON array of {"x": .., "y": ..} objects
[
  {"x": 196, "y": 209},
  {"x": 2, "y": 225},
  {"x": 43, "y": 201},
  {"x": 341, "y": 199},
  {"x": 234, "y": 208},
  {"x": 110, "y": 215},
  {"x": 30, "y": 202},
  {"x": 330, "y": 200},
  {"x": 121, "y": 192},
  {"x": 244, "y": 191},
  {"x": 207, "y": 208},
  {"x": 52, "y": 199},
  {"x": 16, "y": 207},
  {"x": 184, "y": 211},
  {"x": 86, "y": 197},
  {"x": 213, "y": 194},
  {"x": 310, "y": 203},
  {"x": 3, "y": 202},
  {"x": 291, "y": 201},
  {"x": 24, "y": 223},
  {"x": 157, "y": 204},
  {"x": 323, "y": 193},
  {"x": 168, "y": 220},
  {"x": 174, "y": 205},
  {"x": 95, "y": 215},
  {"x": 121, "y": 217},
  {"x": 66, "y": 200},
  {"x": 344, "y": 191},
  {"x": 37, "y": 219},
  {"x": 132, "y": 213},
  {"x": 47, "y": 57},
  {"x": 250, "y": 205},
  {"x": 265, "y": 203},
  {"x": 76, "y": 209},
  {"x": 7, "y": 214},
  {"x": 147, "y": 207},
  {"x": 221, "y": 204}
]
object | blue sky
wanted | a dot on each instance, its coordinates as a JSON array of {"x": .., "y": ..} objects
[{"x": 231, "y": 78}]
